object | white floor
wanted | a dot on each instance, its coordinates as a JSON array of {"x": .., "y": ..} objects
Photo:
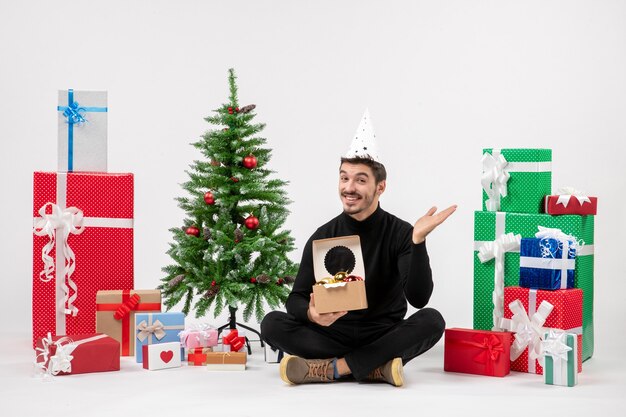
[{"x": 258, "y": 391}]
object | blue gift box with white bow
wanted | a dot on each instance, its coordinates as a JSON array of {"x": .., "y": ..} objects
[
  {"x": 153, "y": 328},
  {"x": 547, "y": 264}
]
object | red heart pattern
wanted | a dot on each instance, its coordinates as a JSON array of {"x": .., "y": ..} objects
[{"x": 167, "y": 356}]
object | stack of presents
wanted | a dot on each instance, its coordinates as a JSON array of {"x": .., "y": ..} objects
[
  {"x": 533, "y": 274},
  {"x": 86, "y": 313}
]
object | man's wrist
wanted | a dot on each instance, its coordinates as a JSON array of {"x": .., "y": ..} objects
[{"x": 418, "y": 239}]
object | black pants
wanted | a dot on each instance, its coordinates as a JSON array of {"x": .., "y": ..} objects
[{"x": 364, "y": 345}]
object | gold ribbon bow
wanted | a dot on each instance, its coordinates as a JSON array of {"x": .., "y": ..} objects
[{"x": 145, "y": 330}]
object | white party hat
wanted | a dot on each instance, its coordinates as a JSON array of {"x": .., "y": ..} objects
[{"x": 364, "y": 141}]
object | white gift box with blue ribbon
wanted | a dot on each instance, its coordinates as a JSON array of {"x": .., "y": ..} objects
[
  {"x": 82, "y": 131},
  {"x": 547, "y": 262}
]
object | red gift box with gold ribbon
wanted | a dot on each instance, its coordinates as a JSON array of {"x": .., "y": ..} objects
[
  {"x": 529, "y": 313},
  {"x": 479, "y": 352},
  {"x": 115, "y": 314},
  {"x": 82, "y": 243}
]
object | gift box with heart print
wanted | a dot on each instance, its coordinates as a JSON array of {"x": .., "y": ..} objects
[
  {"x": 155, "y": 328},
  {"x": 161, "y": 356}
]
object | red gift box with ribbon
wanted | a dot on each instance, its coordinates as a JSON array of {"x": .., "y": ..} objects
[
  {"x": 77, "y": 354},
  {"x": 479, "y": 352},
  {"x": 530, "y": 313},
  {"x": 82, "y": 243},
  {"x": 115, "y": 314},
  {"x": 570, "y": 201},
  {"x": 197, "y": 356}
]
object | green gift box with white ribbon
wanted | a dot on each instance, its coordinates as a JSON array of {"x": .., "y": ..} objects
[
  {"x": 497, "y": 234},
  {"x": 559, "y": 362},
  {"x": 516, "y": 180}
]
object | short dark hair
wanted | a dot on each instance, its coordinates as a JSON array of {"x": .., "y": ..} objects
[{"x": 380, "y": 173}]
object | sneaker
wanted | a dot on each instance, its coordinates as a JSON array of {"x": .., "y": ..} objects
[
  {"x": 391, "y": 373},
  {"x": 297, "y": 370}
]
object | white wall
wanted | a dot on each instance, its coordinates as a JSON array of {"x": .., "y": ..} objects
[{"x": 442, "y": 79}]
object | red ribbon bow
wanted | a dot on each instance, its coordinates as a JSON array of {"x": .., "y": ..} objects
[
  {"x": 197, "y": 356},
  {"x": 235, "y": 341},
  {"x": 126, "y": 307},
  {"x": 490, "y": 349}
]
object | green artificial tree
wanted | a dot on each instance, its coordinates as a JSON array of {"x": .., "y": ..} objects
[{"x": 231, "y": 251}]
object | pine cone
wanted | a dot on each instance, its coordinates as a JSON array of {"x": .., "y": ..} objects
[
  {"x": 247, "y": 109},
  {"x": 176, "y": 280},
  {"x": 290, "y": 279},
  {"x": 238, "y": 235},
  {"x": 206, "y": 232},
  {"x": 263, "y": 279},
  {"x": 211, "y": 292}
]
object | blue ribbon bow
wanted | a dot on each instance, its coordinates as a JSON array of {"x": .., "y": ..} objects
[{"x": 73, "y": 114}]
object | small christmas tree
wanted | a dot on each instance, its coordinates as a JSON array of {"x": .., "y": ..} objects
[{"x": 231, "y": 251}]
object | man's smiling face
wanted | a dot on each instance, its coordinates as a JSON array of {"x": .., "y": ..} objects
[{"x": 358, "y": 190}]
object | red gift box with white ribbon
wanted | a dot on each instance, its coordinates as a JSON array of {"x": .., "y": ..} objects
[
  {"x": 530, "y": 313},
  {"x": 570, "y": 201},
  {"x": 82, "y": 243},
  {"x": 77, "y": 354}
]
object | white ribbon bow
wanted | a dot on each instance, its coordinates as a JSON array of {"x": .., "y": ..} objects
[
  {"x": 66, "y": 221},
  {"x": 61, "y": 361},
  {"x": 201, "y": 332},
  {"x": 494, "y": 179},
  {"x": 566, "y": 193},
  {"x": 146, "y": 330},
  {"x": 567, "y": 243},
  {"x": 496, "y": 249},
  {"x": 528, "y": 331},
  {"x": 555, "y": 345}
]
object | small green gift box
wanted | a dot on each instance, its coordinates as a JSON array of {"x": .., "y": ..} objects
[
  {"x": 560, "y": 351},
  {"x": 516, "y": 180},
  {"x": 491, "y": 225}
]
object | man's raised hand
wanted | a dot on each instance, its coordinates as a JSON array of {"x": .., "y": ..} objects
[{"x": 428, "y": 222}]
